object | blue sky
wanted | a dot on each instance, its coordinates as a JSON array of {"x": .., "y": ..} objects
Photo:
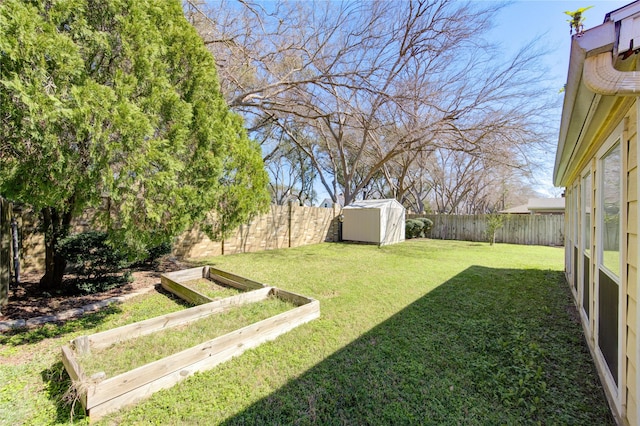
[{"x": 524, "y": 20}]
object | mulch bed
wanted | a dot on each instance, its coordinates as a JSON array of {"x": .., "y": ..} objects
[{"x": 26, "y": 300}]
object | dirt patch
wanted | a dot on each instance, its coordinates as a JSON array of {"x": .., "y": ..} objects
[{"x": 26, "y": 300}]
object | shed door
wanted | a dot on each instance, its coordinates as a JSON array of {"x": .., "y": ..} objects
[{"x": 361, "y": 225}]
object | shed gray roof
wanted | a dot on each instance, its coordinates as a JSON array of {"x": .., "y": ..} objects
[{"x": 375, "y": 204}]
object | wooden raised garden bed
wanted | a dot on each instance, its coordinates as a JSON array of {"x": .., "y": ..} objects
[{"x": 100, "y": 394}]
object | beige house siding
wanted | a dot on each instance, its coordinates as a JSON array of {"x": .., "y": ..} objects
[
  {"x": 627, "y": 393},
  {"x": 600, "y": 110},
  {"x": 631, "y": 268}
]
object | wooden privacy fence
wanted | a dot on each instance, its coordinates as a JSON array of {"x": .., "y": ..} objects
[
  {"x": 543, "y": 230},
  {"x": 282, "y": 226},
  {"x": 5, "y": 251}
]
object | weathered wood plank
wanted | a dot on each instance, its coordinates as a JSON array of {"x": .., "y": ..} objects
[
  {"x": 81, "y": 345},
  {"x": 517, "y": 229},
  {"x": 241, "y": 339},
  {"x": 75, "y": 373},
  {"x": 69, "y": 361},
  {"x": 130, "y": 398},
  {"x": 185, "y": 293},
  {"x": 294, "y": 298},
  {"x": 233, "y": 279},
  {"x": 230, "y": 282},
  {"x": 213, "y": 273},
  {"x": 128, "y": 388},
  {"x": 185, "y": 274},
  {"x": 224, "y": 354},
  {"x": 106, "y": 338}
]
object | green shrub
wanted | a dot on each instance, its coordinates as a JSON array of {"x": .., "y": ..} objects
[
  {"x": 418, "y": 227},
  {"x": 427, "y": 224},
  {"x": 413, "y": 228},
  {"x": 494, "y": 222},
  {"x": 154, "y": 253},
  {"x": 94, "y": 261},
  {"x": 97, "y": 285}
]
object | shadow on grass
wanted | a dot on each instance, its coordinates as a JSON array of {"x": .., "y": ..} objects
[
  {"x": 58, "y": 388},
  {"x": 490, "y": 346},
  {"x": 56, "y": 380},
  {"x": 51, "y": 330}
]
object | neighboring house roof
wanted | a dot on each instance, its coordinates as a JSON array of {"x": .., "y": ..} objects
[
  {"x": 599, "y": 67},
  {"x": 546, "y": 204},
  {"x": 538, "y": 206},
  {"x": 327, "y": 202},
  {"x": 522, "y": 209}
]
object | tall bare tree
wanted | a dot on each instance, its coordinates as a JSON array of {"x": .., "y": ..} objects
[
  {"x": 372, "y": 82},
  {"x": 291, "y": 171}
]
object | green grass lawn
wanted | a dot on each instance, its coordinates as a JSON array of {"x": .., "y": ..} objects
[
  {"x": 129, "y": 354},
  {"x": 211, "y": 289},
  {"x": 423, "y": 332}
]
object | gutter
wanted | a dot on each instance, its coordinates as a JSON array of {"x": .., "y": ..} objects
[
  {"x": 597, "y": 79},
  {"x": 580, "y": 102},
  {"x": 602, "y": 78}
]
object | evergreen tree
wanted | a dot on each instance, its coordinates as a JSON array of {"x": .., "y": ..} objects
[{"x": 115, "y": 104}]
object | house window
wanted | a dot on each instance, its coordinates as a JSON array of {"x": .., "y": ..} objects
[
  {"x": 574, "y": 237},
  {"x": 610, "y": 210},
  {"x": 586, "y": 238},
  {"x": 608, "y": 244},
  {"x": 569, "y": 238},
  {"x": 586, "y": 213}
]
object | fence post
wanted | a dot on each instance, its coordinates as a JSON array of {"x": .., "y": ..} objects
[
  {"x": 517, "y": 229},
  {"x": 5, "y": 251},
  {"x": 289, "y": 221},
  {"x": 15, "y": 247}
]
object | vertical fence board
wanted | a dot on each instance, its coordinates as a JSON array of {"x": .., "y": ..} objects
[
  {"x": 5, "y": 251},
  {"x": 283, "y": 226},
  {"x": 544, "y": 230}
]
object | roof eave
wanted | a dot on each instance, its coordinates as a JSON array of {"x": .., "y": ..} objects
[{"x": 580, "y": 103}]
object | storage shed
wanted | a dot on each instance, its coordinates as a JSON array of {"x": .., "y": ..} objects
[
  {"x": 374, "y": 221},
  {"x": 597, "y": 163}
]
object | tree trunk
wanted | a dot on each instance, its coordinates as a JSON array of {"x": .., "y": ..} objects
[{"x": 56, "y": 227}]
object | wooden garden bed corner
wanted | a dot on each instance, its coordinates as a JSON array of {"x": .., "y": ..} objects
[{"x": 100, "y": 395}]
